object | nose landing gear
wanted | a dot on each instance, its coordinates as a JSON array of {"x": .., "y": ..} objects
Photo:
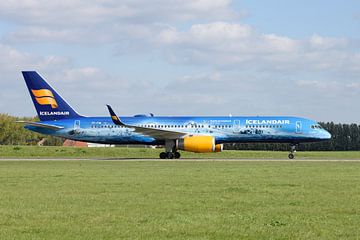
[{"x": 292, "y": 151}]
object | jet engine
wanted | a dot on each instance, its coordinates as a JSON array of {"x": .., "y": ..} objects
[{"x": 199, "y": 144}]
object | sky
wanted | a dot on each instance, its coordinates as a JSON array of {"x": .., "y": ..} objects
[{"x": 186, "y": 57}]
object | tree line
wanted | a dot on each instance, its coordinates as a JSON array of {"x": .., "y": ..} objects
[
  {"x": 345, "y": 137},
  {"x": 13, "y": 133}
]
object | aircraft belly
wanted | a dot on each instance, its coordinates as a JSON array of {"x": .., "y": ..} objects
[{"x": 117, "y": 138}]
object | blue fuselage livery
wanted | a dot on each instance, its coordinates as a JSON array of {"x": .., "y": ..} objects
[
  {"x": 190, "y": 133},
  {"x": 223, "y": 129}
]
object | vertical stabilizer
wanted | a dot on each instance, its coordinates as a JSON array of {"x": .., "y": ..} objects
[{"x": 48, "y": 103}]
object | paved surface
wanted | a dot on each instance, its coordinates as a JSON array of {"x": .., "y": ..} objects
[{"x": 180, "y": 160}]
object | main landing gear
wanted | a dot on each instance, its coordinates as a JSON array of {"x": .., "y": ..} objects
[
  {"x": 170, "y": 150},
  {"x": 292, "y": 151}
]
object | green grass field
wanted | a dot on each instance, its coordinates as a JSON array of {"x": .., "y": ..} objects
[
  {"x": 72, "y": 152},
  {"x": 179, "y": 200}
]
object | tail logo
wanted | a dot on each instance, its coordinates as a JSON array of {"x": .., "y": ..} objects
[{"x": 44, "y": 97}]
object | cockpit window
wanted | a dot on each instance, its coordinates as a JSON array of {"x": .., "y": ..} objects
[{"x": 317, "y": 126}]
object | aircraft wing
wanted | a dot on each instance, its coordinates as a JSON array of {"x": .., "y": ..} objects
[
  {"x": 151, "y": 132},
  {"x": 42, "y": 125}
]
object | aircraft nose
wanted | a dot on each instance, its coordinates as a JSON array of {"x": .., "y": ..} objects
[{"x": 326, "y": 135}]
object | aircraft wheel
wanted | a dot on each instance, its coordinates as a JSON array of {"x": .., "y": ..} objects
[
  {"x": 163, "y": 155},
  {"x": 170, "y": 155},
  {"x": 177, "y": 155},
  {"x": 291, "y": 156}
]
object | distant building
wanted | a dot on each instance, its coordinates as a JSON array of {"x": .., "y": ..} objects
[{"x": 72, "y": 143}]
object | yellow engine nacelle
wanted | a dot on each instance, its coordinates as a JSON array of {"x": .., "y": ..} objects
[{"x": 199, "y": 144}]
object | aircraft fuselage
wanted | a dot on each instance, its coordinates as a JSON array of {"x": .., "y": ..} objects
[{"x": 223, "y": 129}]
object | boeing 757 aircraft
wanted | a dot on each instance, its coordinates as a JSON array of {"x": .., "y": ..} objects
[{"x": 194, "y": 134}]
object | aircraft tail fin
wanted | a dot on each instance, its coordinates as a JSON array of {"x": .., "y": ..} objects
[{"x": 48, "y": 103}]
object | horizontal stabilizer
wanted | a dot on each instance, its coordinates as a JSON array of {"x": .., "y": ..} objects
[{"x": 42, "y": 125}]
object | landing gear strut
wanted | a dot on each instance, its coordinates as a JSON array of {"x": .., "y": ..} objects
[
  {"x": 292, "y": 151},
  {"x": 170, "y": 151}
]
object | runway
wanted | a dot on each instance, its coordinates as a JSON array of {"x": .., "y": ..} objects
[{"x": 179, "y": 160}]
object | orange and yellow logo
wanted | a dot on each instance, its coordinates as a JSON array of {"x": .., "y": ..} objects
[{"x": 44, "y": 97}]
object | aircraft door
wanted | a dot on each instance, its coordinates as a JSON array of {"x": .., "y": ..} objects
[
  {"x": 298, "y": 127},
  {"x": 77, "y": 125},
  {"x": 236, "y": 126}
]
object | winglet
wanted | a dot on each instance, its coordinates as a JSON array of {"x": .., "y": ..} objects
[{"x": 114, "y": 117}]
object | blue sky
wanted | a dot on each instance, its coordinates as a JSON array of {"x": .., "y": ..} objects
[
  {"x": 198, "y": 57},
  {"x": 300, "y": 19}
]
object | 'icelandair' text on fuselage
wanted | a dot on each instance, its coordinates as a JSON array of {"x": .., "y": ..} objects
[
  {"x": 58, "y": 113},
  {"x": 267, "y": 121}
]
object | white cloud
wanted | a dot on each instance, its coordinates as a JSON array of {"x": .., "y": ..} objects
[
  {"x": 103, "y": 21},
  {"x": 326, "y": 43},
  {"x": 137, "y": 24},
  {"x": 12, "y": 60},
  {"x": 234, "y": 44},
  {"x": 14, "y": 98},
  {"x": 242, "y": 70},
  {"x": 214, "y": 35},
  {"x": 86, "y": 12},
  {"x": 332, "y": 86},
  {"x": 220, "y": 92},
  {"x": 272, "y": 43}
]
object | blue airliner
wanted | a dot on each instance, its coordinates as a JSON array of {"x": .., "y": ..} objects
[{"x": 194, "y": 134}]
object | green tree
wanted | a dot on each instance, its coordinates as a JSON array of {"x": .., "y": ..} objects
[{"x": 13, "y": 133}]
